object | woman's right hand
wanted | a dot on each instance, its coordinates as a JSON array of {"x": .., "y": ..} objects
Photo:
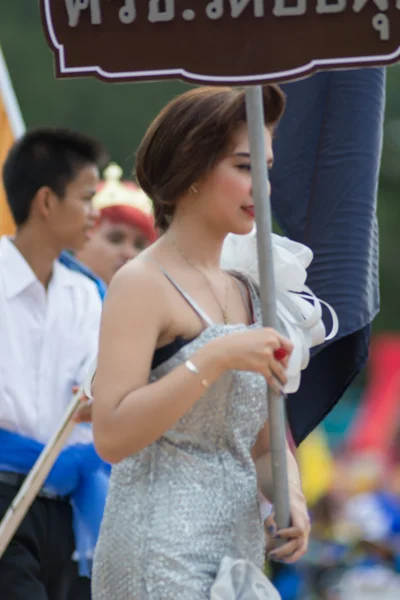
[{"x": 254, "y": 351}]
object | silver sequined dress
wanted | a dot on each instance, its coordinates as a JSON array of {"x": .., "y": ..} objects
[{"x": 176, "y": 508}]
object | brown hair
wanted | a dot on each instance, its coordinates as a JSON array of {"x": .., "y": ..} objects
[{"x": 189, "y": 136}]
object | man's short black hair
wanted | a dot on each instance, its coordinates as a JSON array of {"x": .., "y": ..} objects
[{"x": 46, "y": 157}]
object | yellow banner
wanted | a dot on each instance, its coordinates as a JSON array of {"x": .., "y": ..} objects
[
  {"x": 316, "y": 466},
  {"x": 7, "y": 226},
  {"x": 11, "y": 127}
]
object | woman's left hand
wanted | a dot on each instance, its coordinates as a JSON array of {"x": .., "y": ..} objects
[{"x": 296, "y": 537}]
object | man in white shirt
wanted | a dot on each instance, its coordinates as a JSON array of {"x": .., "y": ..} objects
[{"x": 49, "y": 322}]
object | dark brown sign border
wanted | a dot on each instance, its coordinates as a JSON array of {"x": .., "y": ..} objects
[{"x": 62, "y": 71}]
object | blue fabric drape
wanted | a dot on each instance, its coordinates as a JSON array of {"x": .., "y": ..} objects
[{"x": 324, "y": 194}]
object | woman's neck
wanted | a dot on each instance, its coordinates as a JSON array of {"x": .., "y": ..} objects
[{"x": 200, "y": 248}]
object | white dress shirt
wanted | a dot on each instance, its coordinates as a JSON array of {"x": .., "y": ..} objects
[{"x": 48, "y": 339}]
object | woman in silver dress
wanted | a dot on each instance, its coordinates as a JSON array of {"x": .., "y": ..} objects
[{"x": 179, "y": 394}]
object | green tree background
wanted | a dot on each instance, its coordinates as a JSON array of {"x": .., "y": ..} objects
[{"x": 118, "y": 114}]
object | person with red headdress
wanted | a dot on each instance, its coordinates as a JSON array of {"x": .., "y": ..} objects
[{"x": 125, "y": 226}]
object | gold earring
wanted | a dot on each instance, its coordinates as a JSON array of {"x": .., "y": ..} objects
[{"x": 193, "y": 188}]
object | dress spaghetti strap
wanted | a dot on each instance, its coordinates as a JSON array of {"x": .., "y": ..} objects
[{"x": 203, "y": 315}]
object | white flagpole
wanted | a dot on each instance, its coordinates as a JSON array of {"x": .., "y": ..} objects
[
  {"x": 10, "y": 100},
  {"x": 276, "y": 404}
]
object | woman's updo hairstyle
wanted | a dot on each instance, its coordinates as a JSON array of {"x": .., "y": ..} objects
[{"x": 187, "y": 139}]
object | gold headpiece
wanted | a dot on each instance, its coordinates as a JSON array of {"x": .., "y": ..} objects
[{"x": 114, "y": 192}]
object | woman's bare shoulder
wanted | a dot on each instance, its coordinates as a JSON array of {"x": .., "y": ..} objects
[
  {"x": 140, "y": 276},
  {"x": 136, "y": 291}
]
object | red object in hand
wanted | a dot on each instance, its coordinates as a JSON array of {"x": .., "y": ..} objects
[{"x": 280, "y": 354}]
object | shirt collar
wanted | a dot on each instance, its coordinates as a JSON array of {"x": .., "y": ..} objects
[{"x": 17, "y": 275}]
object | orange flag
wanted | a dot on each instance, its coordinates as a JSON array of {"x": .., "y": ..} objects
[{"x": 11, "y": 127}]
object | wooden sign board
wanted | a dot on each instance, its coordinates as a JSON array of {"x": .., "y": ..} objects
[{"x": 234, "y": 42}]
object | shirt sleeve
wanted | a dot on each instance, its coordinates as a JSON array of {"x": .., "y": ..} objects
[{"x": 90, "y": 336}]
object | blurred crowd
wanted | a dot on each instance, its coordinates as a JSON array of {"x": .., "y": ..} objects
[{"x": 354, "y": 551}]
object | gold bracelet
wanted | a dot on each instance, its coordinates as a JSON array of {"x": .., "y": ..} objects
[{"x": 193, "y": 369}]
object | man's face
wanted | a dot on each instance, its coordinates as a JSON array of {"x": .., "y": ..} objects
[
  {"x": 110, "y": 246},
  {"x": 73, "y": 216}
]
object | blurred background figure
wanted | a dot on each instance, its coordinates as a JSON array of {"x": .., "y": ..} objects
[
  {"x": 50, "y": 176},
  {"x": 125, "y": 225}
]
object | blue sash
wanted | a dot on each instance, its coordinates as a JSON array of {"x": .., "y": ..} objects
[
  {"x": 69, "y": 261},
  {"x": 78, "y": 472}
]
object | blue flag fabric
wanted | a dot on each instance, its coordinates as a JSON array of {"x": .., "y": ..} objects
[
  {"x": 69, "y": 261},
  {"x": 324, "y": 193}
]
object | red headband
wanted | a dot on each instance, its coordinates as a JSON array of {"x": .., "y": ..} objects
[{"x": 132, "y": 216}]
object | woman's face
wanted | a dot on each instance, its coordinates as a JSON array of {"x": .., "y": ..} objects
[
  {"x": 111, "y": 245},
  {"x": 226, "y": 194}
]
